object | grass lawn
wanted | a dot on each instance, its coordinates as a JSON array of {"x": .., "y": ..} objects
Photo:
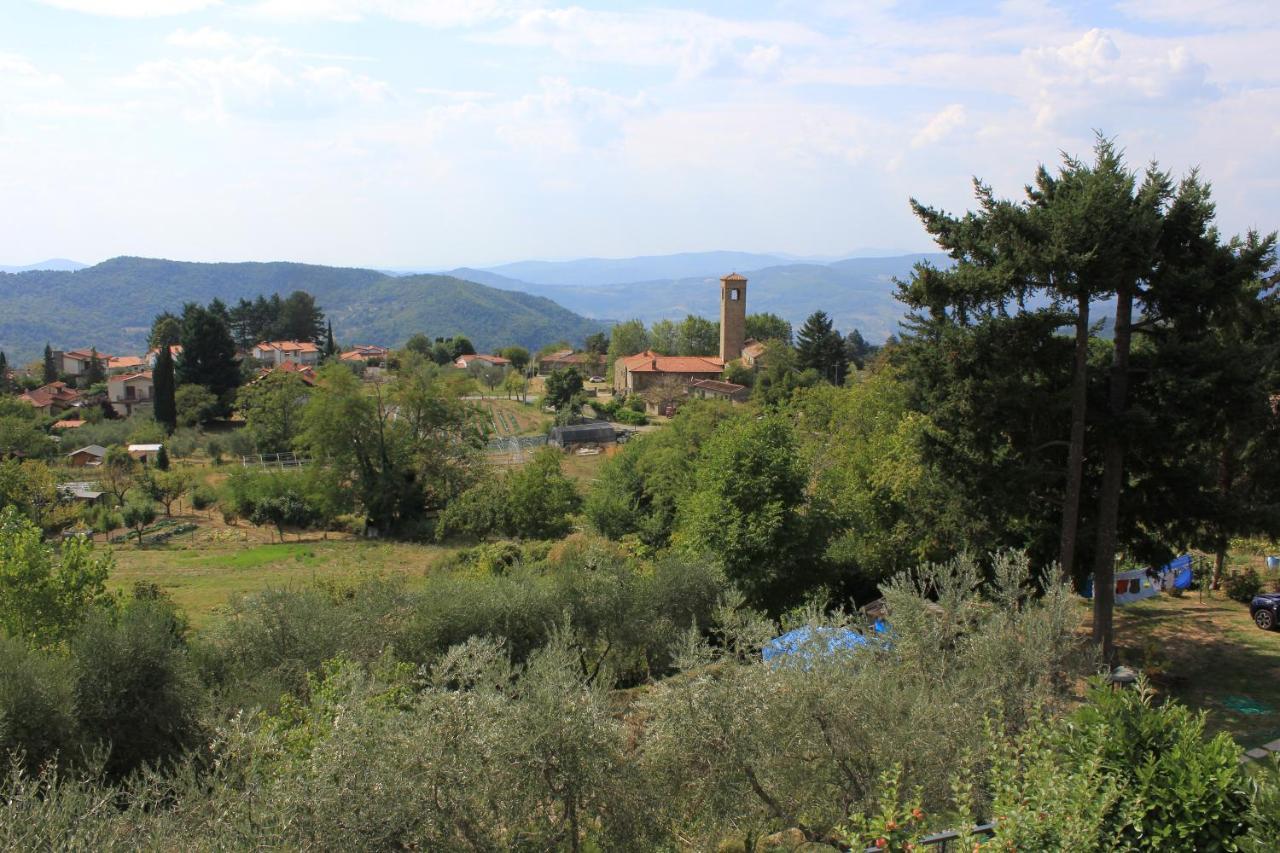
[
  {"x": 202, "y": 576},
  {"x": 1208, "y": 654}
]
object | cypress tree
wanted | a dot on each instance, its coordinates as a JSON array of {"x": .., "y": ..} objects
[
  {"x": 162, "y": 459},
  {"x": 162, "y": 379},
  {"x": 50, "y": 366},
  {"x": 330, "y": 347},
  {"x": 4, "y": 373}
]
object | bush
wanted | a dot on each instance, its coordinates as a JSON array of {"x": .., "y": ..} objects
[
  {"x": 203, "y": 497},
  {"x": 1244, "y": 585},
  {"x": 631, "y": 417},
  {"x": 135, "y": 689},
  {"x": 37, "y": 705}
]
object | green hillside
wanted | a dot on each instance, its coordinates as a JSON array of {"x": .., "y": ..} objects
[{"x": 111, "y": 305}]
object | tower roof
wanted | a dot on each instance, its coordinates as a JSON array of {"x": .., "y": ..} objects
[{"x": 733, "y": 276}]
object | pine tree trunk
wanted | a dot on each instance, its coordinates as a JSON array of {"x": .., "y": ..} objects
[
  {"x": 1075, "y": 456},
  {"x": 1104, "y": 556},
  {"x": 1226, "y": 480}
]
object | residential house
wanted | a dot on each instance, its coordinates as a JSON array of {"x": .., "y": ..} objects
[
  {"x": 87, "y": 457},
  {"x": 85, "y": 492},
  {"x": 752, "y": 352},
  {"x": 51, "y": 399},
  {"x": 69, "y": 423},
  {"x": 125, "y": 364},
  {"x": 130, "y": 389},
  {"x": 639, "y": 372},
  {"x": 278, "y": 352},
  {"x": 305, "y": 373},
  {"x": 144, "y": 452},
  {"x": 716, "y": 389},
  {"x": 76, "y": 362},
  {"x": 586, "y": 363},
  {"x": 465, "y": 361},
  {"x": 367, "y": 353}
]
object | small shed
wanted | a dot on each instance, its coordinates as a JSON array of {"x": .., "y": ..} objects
[
  {"x": 84, "y": 492},
  {"x": 596, "y": 432},
  {"x": 144, "y": 452},
  {"x": 716, "y": 389},
  {"x": 92, "y": 455}
]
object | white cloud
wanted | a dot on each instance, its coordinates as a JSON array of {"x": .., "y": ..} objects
[
  {"x": 208, "y": 38},
  {"x": 691, "y": 42},
  {"x": 1215, "y": 14},
  {"x": 940, "y": 126},
  {"x": 430, "y": 13},
  {"x": 132, "y": 8},
  {"x": 262, "y": 85}
]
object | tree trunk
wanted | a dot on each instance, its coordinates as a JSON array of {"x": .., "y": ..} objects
[
  {"x": 1226, "y": 480},
  {"x": 1104, "y": 556},
  {"x": 1075, "y": 456}
]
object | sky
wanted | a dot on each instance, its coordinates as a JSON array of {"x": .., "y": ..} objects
[{"x": 434, "y": 133}]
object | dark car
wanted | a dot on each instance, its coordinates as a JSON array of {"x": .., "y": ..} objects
[{"x": 1265, "y": 610}]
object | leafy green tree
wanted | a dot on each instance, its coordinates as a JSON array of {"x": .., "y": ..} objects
[
  {"x": 208, "y": 354},
  {"x": 166, "y": 487},
  {"x": 513, "y": 384},
  {"x": 20, "y": 432},
  {"x": 780, "y": 376},
  {"x": 137, "y": 514},
  {"x": 534, "y": 501},
  {"x": 627, "y": 338},
  {"x": 404, "y": 448},
  {"x": 597, "y": 342},
  {"x": 750, "y": 511},
  {"x": 195, "y": 405},
  {"x": 460, "y": 346},
  {"x": 517, "y": 355},
  {"x": 45, "y": 592},
  {"x": 164, "y": 384},
  {"x": 697, "y": 336},
  {"x": 562, "y": 388},
  {"x": 768, "y": 327},
  {"x": 857, "y": 351},
  {"x": 272, "y": 408},
  {"x": 664, "y": 337},
  {"x": 819, "y": 347},
  {"x": 117, "y": 472},
  {"x": 419, "y": 343},
  {"x": 30, "y": 486},
  {"x": 50, "y": 366},
  {"x": 739, "y": 374}
]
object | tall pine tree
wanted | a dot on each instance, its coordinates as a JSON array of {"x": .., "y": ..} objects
[
  {"x": 162, "y": 379},
  {"x": 820, "y": 347}
]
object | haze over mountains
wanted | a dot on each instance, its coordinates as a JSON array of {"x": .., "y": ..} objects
[{"x": 531, "y": 303}]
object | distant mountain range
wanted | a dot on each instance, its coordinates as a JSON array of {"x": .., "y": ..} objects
[
  {"x": 858, "y": 293},
  {"x": 111, "y": 305},
  {"x": 51, "y": 264},
  {"x": 531, "y": 303}
]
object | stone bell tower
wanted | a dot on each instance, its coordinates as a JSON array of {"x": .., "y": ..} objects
[{"x": 733, "y": 316}]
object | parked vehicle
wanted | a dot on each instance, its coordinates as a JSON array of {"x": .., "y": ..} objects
[
  {"x": 1265, "y": 610},
  {"x": 596, "y": 379}
]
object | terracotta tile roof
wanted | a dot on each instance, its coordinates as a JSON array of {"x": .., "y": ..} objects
[
  {"x": 54, "y": 392},
  {"x": 360, "y": 352},
  {"x": 289, "y": 346},
  {"x": 733, "y": 276},
  {"x": 124, "y": 362},
  {"x": 464, "y": 360},
  {"x": 86, "y": 354},
  {"x": 70, "y": 423},
  {"x": 129, "y": 377},
  {"x": 718, "y": 386},
  {"x": 651, "y": 362}
]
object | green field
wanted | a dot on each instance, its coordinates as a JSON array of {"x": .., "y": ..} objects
[{"x": 202, "y": 577}]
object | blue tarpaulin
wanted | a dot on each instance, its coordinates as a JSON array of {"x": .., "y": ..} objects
[
  {"x": 1137, "y": 584},
  {"x": 805, "y": 640}
]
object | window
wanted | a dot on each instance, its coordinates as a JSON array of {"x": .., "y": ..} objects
[{"x": 734, "y": 295}]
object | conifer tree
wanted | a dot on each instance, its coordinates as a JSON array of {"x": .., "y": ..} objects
[
  {"x": 820, "y": 347},
  {"x": 162, "y": 380},
  {"x": 50, "y": 366}
]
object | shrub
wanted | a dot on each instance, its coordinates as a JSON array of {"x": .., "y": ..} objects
[
  {"x": 203, "y": 497},
  {"x": 631, "y": 417},
  {"x": 1244, "y": 585},
  {"x": 37, "y": 704},
  {"x": 135, "y": 689}
]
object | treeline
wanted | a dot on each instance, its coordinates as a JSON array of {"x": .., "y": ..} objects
[{"x": 297, "y": 317}]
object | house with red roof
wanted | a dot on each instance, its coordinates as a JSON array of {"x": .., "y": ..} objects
[
  {"x": 128, "y": 390},
  {"x": 635, "y": 373},
  {"x": 278, "y": 352},
  {"x": 465, "y": 361}
]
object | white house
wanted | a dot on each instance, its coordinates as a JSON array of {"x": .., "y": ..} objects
[{"x": 278, "y": 352}]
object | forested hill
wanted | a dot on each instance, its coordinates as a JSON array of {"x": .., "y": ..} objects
[{"x": 111, "y": 305}]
